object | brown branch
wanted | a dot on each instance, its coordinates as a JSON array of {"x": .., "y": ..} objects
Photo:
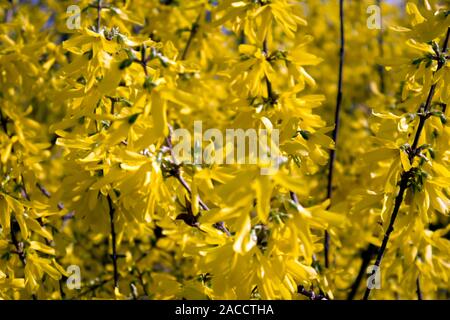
[
  {"x": 176, "y": 172},
  {"x": 406, "y": 175}
]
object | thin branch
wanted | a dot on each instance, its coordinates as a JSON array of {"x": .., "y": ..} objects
[
  {"x": 370, "y": 248},
  {"x": 336, "y": 127},
  {"x": 93, "y": 288},
  {"x": 4, "y": 122},
  {"x": 193, "y": 32},
  {"x": 113, "y": 241},
  {"x": 48, "y": 195},
  {"x": 366, "y": 258},
  {"x": 398, "y": 202},
  {"x": 418, "y": 289},
  {"x": 176, "y": 169},
  {"x": 271, "y": 95},
  {"x": 311, "y": 294},
  {"x": 141, "y": 281},
  {"x": 176, "y": 172},
  {"x": 380, "y": 41},
  {"x": 18, "y": 245},
  {"x": 99, "y": 9},
  {"x": 406, "y": 175}
]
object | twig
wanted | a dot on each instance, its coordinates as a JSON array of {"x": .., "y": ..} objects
[
  {"x": 419, "y": 290},
  {"x": 405, "y": 175},
  {"x": 270, "y": 93},
  {"x": 311, "y": 294},
  {"x": 18, "y": 245},
  {"x": 175, "y": 171},
  {"x": 366, "y": 258},
  {"x": 192, "y": 34},
  {"x": 113, "y": 241},
  {"x": 99, "y": 9},
  {"x": 336, "y": 127},
  {"x": 141, "y": 281},
  {"x": 370, "y": 248},
  {"x": 93, "y": 288},
  {"x": 380, "y": 41},
  {"x": 4, "y": 122}
]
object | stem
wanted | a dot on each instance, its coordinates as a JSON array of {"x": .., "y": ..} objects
[
  {"x": 48, "y": 195},
  {"x": 99, "y": 9},
  {"x": 366, "y": 257},
  {"x": 18, "y": 245},
  {"x": 381, "y": 51},
  {"x": 4, "y": 123},
  {"x": 367, "y": 254},
  {"x": 311, "y": 294},
  {"x": 398, "y": 202},
  {"x": 92, "y": 288},
  {"x": 177, "y": 174},
  {"x": 192, "y": 34},
  {"x": 272, "y": 96},
  {"x": 141, "y": 281},
  {"x": 113, "y": 242},
  {"x": 418, "y": 291},
  {"x": 337, "y": 123},
  {"x": 270, "y": 92},
  {"x": 405, "y": 175},
  {"x": 19, "y": 249}
]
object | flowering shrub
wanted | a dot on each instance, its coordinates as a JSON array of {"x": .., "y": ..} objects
[{"x": 337, "y": 179}]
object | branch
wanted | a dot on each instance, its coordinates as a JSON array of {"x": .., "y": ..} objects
[
  {"x": 48, "y": 195},
  {"x": 18, "y": 245},
  {"x": 336, "y": 127},
  {"x": 175, "y": 172},
  {"x": 311, "y": 294},
  {"x": 366, "y": 258},
  {"x": 99, "y": 9},
  {"x": 93, "y": 288},
  {"x": 113, "y": 241},
  {"x": 405, "y": 175},
  {"x": 380, "y": 41},
  {"x": 192, "y": 34},
  {"x": 370, "y": 248},
  {"x": 418, "y": 291}
]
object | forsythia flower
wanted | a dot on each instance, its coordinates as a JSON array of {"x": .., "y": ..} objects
[{"x": 95, "y": 195}]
